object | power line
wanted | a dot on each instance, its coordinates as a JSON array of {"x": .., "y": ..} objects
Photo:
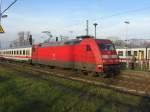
[
  {"x": 9, "y": 7},
  {"x": 126, "y": 12},
  {"x": 116, "y": 14}
]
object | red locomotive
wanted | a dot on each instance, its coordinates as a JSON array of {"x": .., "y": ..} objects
[{"x": 84, "y": 53}]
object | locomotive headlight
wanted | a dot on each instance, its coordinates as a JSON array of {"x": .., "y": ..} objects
[{"x": 100, "y": 66}]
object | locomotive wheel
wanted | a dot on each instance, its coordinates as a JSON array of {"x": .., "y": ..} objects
[
  {"x": 84, "y": 72},
  {"x": 116, "y": 72},
  {"x": 97, "y": 74},
  {"x": 52, "y": 67},
  {"x": 75, "y": 72}
]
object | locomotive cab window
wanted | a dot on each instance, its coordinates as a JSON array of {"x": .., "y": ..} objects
[
  {"x": 106, "y": 47},
  {"x": 88, "y": 48}
]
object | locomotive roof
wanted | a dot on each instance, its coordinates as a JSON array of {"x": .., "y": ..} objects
[
  {"x": 18, "y": 47},
  {"x": 70, "y": 42},
  {"x": 60, "y": 43}
]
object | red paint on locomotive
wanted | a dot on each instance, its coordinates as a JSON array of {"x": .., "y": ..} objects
[{"x": 87, "y": 54}]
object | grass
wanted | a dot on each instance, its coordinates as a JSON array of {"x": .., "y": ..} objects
[{"x": 20, "y": 93}]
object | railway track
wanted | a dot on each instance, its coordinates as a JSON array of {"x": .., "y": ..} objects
[{"x": 127, "y": 84}]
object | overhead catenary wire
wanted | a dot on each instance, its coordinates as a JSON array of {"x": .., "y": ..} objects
[
  {"x": 125, "y": 12},
  {"x": 9, "y": 6},
  {"x": 115, "y": 15}
]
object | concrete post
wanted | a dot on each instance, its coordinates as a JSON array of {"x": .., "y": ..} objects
[
  {"x": 149, "y": 64},
  {"x": 141, "y": 64}
]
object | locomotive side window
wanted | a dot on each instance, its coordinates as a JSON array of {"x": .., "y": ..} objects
[{"x": 88, "y": 48}]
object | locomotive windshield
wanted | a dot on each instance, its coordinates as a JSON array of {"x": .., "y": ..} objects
[{"x": 106, "y": 47}]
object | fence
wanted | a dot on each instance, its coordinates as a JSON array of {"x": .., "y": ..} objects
[{"x": 143, "y": 65}]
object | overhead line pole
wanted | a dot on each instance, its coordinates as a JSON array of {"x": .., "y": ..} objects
[
  {"x": 127, "y": 55},
  {"x": 87, "y": 27},
  {"x": 0, "y": 17},
  {"x": 0, "y": 11}
]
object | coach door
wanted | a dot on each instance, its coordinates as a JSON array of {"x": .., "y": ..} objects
[
  {"x": 141, "y": 55},
  {"x": 148, "y": 54},
  {"x": 35, "y": 54}
]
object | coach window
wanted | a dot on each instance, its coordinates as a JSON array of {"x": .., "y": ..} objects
[
  {"x": 24, "y": 52},
  {"x": 135, "y": 53},
  {"x": 27, "y": 52},
  {"x": 129, "y": 53},
  {"x": 120, "y": 53},
  {"x": 88, "y": 48},
  {"x": 20, "y": 52},
  {"x": 17, "y": 52},
  {"x": 149, "y": 54}
]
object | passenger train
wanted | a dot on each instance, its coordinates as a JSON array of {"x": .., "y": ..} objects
[
  {"x": 127, "y": 53},
  {"x": 19, "y": 54},
  {"x": 83, "y": 53}
]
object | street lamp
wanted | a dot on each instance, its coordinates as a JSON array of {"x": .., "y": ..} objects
[
  {"x": 48, "y": 33},
  {"x": 127, "y": 23},
  {"x": 95, "y": 25},
  {"x": 4, "y": 16},
  {"x": 3, "y": 12}
]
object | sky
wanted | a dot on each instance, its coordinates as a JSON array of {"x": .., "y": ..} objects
[{"x": 68, "y": 18}]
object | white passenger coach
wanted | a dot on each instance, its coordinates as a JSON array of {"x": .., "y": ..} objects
[
  {"x": 19, "y": 54},
  {"x": 139, "y": 53}
]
